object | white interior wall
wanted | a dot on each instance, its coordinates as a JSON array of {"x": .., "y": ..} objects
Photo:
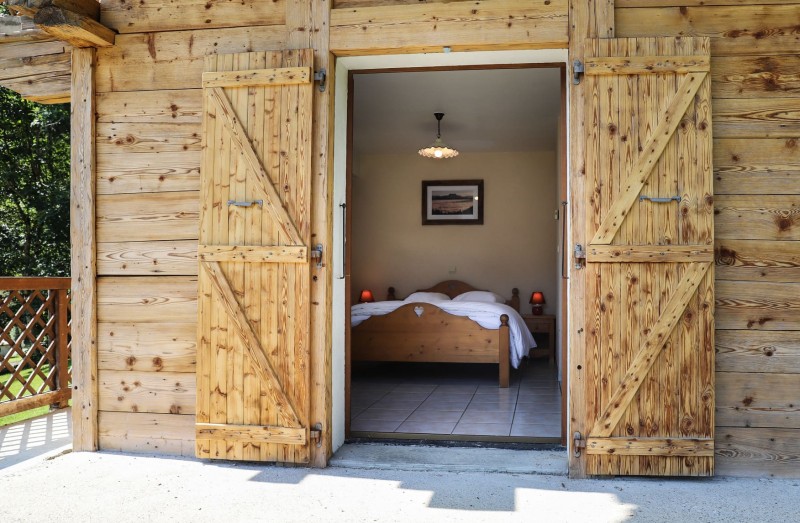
[{"x": 343, "y": 66}]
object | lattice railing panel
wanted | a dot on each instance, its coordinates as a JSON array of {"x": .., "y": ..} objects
[{"x": 34, "y": 343}]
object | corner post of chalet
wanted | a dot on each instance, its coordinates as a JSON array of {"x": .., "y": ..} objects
[
  {"x": 84, "y": 264},
  {"x": 75, "y": 22},
  {"x": 587, "y": 19}
]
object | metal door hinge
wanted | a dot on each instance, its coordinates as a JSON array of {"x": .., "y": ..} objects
[
  {"x": 315, "y": 434},
  {"x": 578, "y": 444},
  {"x": 320, "y": 76},
  {"x": 577, "y": 71},
  {"x": 316, "y": 254},
  {"x": 580, "y": 256}
]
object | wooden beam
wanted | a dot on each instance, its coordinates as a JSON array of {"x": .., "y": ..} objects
[
  {"x": 33, "y": 402},
  {"x": 649, "y": 253},
  {"x": 241, "y": 253},
  {"x": 84, "y": 257},
  {"x": 90, "y": 8},
  {"x": 650, "y": 446},
  {"x": 251, "y": 433},
  {"x": 647, "y": 65},
  {"x": 276, "y": 76},
  {"x": 76, "y": 29}
]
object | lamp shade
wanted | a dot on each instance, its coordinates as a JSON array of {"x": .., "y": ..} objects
[
  {"x": 537, "y": 298},
  {"x": 366, "y": 296}
]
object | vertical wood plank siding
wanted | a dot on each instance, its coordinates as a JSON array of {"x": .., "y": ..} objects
[{"x": 756, "y": 113}]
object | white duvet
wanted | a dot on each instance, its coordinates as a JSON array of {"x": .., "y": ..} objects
[{"x": 487, "y": 315}]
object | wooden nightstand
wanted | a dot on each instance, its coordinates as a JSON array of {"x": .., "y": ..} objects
[{"x": 538, "y": 325}]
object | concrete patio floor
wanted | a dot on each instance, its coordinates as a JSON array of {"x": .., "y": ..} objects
[{"x": 366, "y": 482}]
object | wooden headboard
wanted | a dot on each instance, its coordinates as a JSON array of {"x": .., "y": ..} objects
[{"x": 453, "y": 288}]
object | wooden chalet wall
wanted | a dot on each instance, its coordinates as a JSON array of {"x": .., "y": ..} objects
[
  {"x": 756, "y": 129},
  {"x": 149, "y": 113}
]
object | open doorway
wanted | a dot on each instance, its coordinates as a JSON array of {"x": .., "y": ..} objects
[{"x": 507, "y": 123}]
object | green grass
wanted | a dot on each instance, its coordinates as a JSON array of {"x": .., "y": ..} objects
[{"x": 15, "y": 387}]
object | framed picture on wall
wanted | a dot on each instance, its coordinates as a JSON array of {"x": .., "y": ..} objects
[{"x": 452, "y": 202}]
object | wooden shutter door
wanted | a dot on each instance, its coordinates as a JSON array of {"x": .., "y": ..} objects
[
  {"x": 253, "y": 354},
  {"x": 650, "y": 282}
]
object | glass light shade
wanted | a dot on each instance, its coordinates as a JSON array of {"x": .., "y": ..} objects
[
  {"x": 438, "y": 150},
  {"x": 366, "y": 296}
]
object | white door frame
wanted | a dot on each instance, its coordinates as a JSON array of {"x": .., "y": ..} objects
[{"x": 401, "y": 61}]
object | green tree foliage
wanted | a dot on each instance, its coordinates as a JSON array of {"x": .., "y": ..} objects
[{"x": 34, "y": 187}]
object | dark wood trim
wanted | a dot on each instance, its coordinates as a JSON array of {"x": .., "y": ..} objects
[
  {"x": 12, "y": 283},
  {"x": 484, "y": 67},
  {"x": 348, "y": 249},
  {"x": 564, "y": 305}
]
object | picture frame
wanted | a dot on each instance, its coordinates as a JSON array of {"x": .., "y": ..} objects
[{"x": 452, "y": 202}]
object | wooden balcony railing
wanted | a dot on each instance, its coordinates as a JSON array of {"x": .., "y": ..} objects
[{"x": 34, "y": 343}]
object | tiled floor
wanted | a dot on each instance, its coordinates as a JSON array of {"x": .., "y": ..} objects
[{"x": 456, "y": 399}]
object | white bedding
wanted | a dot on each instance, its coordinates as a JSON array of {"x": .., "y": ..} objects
[{"x": 487, "y": 315}]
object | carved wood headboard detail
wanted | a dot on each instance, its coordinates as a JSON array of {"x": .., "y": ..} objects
[{"x": 455, "y": 287}]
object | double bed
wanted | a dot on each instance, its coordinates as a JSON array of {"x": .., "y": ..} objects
[{"x": 451, "y": 322}]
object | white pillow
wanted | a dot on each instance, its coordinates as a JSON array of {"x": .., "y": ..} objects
[
  {"x": 427, "y": 297},
  {"x": 480, "y": 296}
]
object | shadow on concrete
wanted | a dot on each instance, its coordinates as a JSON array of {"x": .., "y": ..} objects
[{"x": 35, "y": 437}]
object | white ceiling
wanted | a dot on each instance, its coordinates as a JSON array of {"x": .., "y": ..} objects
[{"x": 496, "y": 110}]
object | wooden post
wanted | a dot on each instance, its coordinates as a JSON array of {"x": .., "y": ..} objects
[
  {"x": 62, "y": 345},
  {"x": 592, "y": 19},
  {"x": 84, "y": 258}
]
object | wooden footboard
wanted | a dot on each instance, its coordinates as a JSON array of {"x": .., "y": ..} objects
[{"x": 422, "y": 332}]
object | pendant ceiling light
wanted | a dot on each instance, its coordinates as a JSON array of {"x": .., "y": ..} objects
[{"x": 438, "y": 149}]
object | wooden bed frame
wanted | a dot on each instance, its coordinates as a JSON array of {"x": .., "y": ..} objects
[{"x": 422, "y": 332}]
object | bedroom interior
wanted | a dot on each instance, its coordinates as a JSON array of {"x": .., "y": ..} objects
[{"x": 418, "y": 368}]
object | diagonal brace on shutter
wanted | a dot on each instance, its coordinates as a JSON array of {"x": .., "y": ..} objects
[
  {"x": 260, "y": 174},
  {"x": 655, "y": 146},
  {"x": 250, "y": 341},
  {"x": 649, "y": 351}
]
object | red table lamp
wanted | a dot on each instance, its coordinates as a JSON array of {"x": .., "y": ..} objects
[
  {"x": 537, "y": 300},
  {"x": 367, "y": 297}
]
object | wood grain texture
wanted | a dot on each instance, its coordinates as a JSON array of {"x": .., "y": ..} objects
[
  {"x": 147, "y": 216},
  {"x": 462, "y": 26},
  {"x": 769, "y": 217},
  {"x": 758, "y": 351},
  {"x": 131, "y": 138},
  {"x": 167, "y": 106},
  {"x": 258, "y": 77},
  {"x": 646, "y": 65},
  {"x": 147, "y": 347},
  {"x": 152, "y": 16},
  {"x": 147, "y": 433},
  {"x": 755, "y": 77},
  {"x": 147, "y": 299},
  {"x": 84, "y": 252},
  {"x": 149, "y": 173},
  {"x": 241, "y": 253},
  {"x": 757, "y": 117},
  {"x": 747, "y": 399},
  {"x": 757, "y": 260},
  {"x": 765, "y": 166},
  {"x": 252, "y": 434},
  {"x": 746, "y": 305},
  {"x": 174, "y": 59},
  {"x": 757, "y": 452},
  {"x": 650, "y": 447},
  {"x": 167, "y": 258},
  {"x": 153, "y": 392},
  {"x": 648, "y": 253}
]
